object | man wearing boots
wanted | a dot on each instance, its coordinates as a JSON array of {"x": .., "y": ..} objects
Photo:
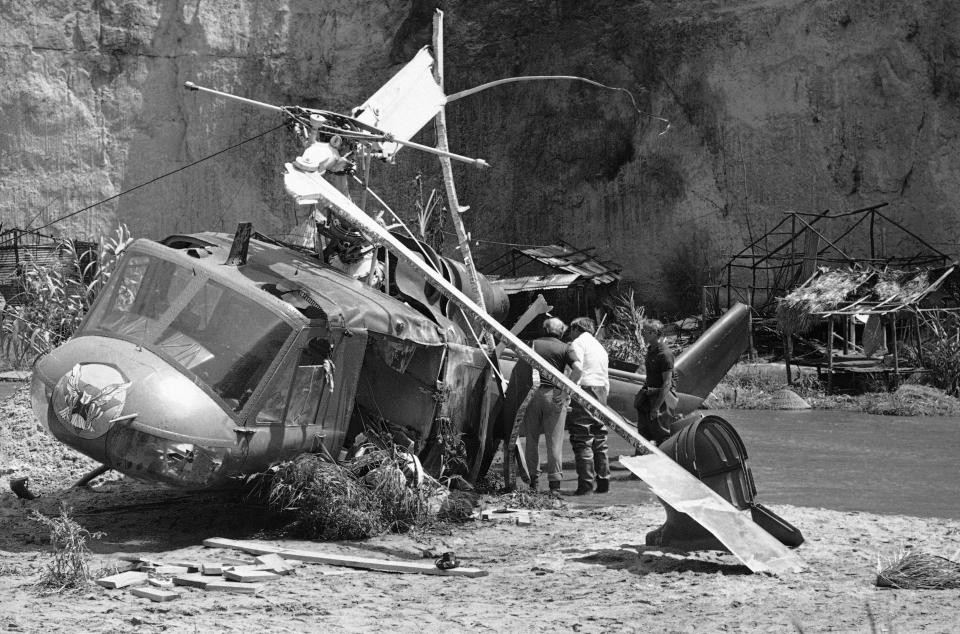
[
  {"x": 656, "y": 403},
  {"x": 587, "y": 434},
  {"x": 547, "y": 408}
]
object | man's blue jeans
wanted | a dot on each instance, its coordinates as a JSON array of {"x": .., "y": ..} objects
[{"x": 589, "y": 439}]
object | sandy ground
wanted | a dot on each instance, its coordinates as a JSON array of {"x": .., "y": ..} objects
[{"x": 579, "y": 567}]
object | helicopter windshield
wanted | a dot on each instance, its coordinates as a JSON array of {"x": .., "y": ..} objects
[{"x": 192, "y": 321}]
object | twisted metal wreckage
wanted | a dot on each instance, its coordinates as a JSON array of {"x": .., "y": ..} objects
[{"x": 209, "y": 357}]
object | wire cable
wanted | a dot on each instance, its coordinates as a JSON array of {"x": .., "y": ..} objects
[
  {"x": 508, "y": 80},
  {"x": 154, "y": 180}
]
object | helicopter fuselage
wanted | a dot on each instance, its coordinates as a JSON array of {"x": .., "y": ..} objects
[{"x": 191, "y": 372}]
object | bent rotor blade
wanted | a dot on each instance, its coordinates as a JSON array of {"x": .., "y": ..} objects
[
  {"x": 407, "y": 102},
  {"x": 756, "y": 548}
]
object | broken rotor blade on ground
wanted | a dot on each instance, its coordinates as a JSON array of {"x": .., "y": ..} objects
[{"x": 756, "y": 548}]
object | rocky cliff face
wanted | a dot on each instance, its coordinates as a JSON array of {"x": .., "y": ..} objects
[{"x": 773, "y": 106}]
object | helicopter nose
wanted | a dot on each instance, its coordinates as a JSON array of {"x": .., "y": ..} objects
[
  {"x": 77, "y": 403},
  {"x": 131, "y": 410},
  {"x": 89, "y": 398}
]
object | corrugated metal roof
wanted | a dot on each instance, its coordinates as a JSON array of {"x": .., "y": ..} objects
[
  {"x": 512, "y": 285},
  {"x": 565, "y": 257}
]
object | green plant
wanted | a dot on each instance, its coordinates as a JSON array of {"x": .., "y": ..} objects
[
  {"x": 378, "y": 490},
  {"x": 623, "y": 340},
  {"x": 941, "y": 352},
  {"x": 54, "y": 299},
  {"x": 68, "y": 567},
  {"x": 430, "y": 216}
]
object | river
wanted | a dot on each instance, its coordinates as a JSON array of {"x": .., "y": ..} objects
[{"x": 838, "y": 460}]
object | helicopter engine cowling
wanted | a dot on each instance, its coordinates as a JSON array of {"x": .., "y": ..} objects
[{"x": 409, "y": 283}]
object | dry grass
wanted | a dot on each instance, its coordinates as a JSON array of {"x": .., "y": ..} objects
[
  {"x": 363, "y": 497},
  {"x": 328, "y": 502},
  {"x": 899, "y": 285},
  {"x": 746, "y": 387},
  {"x": 917, "y": 570},
  {"x": 796, "y": 311},
  {"x": 68, "y": 567}
]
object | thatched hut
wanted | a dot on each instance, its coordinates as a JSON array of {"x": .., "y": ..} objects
[{"x": 873, "y": 299}]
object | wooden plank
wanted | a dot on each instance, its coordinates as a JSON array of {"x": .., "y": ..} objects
[
  {"x": 235, "y": 587},
  {"x": 317, "y": 557},
  {"x": 191, "y": 566},
  {"x": 275, "y": 563},
  {"x": 157, "y": 582},
  {"x": 155, "y": 594},
  {"x": 192, "y": 580},
  {"x": 246, "y": 575},
  {"x": 124, "y": 579},
  {"x": 208, "y": 568},
  {"x": 171, "y": 570}
]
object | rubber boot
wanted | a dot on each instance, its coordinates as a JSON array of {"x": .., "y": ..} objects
[
  {"x": 554, "y": 488},
  {"x": 19, "y": 486},
  {"x": 603, "y": 485},
  {"x": 584, "y": 488}
]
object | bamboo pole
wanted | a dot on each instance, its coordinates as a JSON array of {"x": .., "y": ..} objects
[
  {"x": 787, "y": 345},
  {"x": 830, "y": 355},
  {"x": 916, "y": 333},
  {"x": 440, "y": 121},
  {"x": 896, "y": 359}
]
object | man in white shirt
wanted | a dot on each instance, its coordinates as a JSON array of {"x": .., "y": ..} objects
[{"x": 587, "y": 434}]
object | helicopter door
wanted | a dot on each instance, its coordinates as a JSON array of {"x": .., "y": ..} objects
[{"x": 309, "y": 400}]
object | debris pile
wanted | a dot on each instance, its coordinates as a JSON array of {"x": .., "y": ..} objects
[
  {"x": 159, "y": 581},
  {"x": 377, "y": 491}
]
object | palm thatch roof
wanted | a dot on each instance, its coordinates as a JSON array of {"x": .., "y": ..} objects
[{"x": 862, "y": 291}]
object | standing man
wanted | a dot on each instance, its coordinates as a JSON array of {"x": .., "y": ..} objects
[
  {"x": 656, "y": 402},
  {"x": 587, "y": 434},
  {"x": 547, "y": 408}
]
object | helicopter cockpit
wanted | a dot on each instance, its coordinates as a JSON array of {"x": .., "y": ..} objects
[{"x": 192, "y": 321}]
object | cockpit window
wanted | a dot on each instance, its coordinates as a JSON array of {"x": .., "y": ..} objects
[{"x": 222, "y": 337}]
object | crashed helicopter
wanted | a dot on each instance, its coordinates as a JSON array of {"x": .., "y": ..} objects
[{"x": 209, "y": 357}]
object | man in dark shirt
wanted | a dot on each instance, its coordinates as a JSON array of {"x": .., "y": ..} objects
[
  {"x": 546, "y": 409},
  {"x": 656, "y": 402}
]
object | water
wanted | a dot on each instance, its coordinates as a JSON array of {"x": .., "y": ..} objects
[{"x": 849, "y": 461}]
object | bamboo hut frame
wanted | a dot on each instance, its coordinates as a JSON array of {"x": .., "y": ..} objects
[{"x": 776, "y": 269}]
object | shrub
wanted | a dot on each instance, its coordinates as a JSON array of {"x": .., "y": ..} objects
[
  {"x": 623, "y": 340},
  {"x": 54, "y": 299},
  {"x": 69, "y": 565},
  {"x": 362, "y": 497},
  {"x": 941, "y": 354}
]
